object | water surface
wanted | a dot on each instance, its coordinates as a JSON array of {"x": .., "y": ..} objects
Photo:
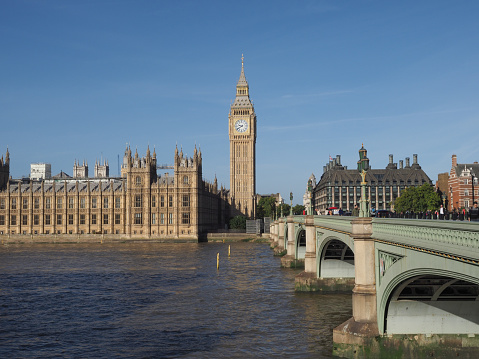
[{"x": 159, "y": 301}]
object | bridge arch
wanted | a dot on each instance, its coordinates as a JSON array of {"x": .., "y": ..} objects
[
  {"x": 436, "y": 301},
  {"x": 300, "y": 242},
  {"x": 335, "y": 256}
]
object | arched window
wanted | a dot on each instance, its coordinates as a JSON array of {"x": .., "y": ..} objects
[
  {"x": 138, "y": 180},
  {"x": 185, "y": 179}
]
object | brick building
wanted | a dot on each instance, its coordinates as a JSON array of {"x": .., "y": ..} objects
[{"x": 462, "y": 184}]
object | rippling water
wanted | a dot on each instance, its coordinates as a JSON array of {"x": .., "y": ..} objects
[{"x": 159, "y": 301}]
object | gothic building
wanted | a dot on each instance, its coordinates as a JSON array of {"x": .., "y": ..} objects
[
  {"x": 139, "y": 204},
  {"x": 242, "y": 135},
  {"x": 340, "y": 187}
]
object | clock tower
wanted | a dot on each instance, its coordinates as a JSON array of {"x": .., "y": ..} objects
[{"x": 242, "y": 134}]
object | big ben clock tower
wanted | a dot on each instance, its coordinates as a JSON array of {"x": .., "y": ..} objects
[{"x": 242, "y": 133}]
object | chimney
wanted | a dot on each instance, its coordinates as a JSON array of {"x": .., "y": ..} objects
[
  {"x": 407, "y": 162},
  {"x": 390, "y": 159},
  {"x": 414, "y": 159},
  {"x": 454, "y": 160},
  {"x": 400, "y": 164},
  {"x": 338, "y": 160}
]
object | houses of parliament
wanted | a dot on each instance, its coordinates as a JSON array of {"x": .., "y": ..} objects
[{"x": 140, "y": 203}]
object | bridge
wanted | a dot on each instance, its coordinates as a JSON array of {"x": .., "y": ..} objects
[{"x": 415, "y": 283}]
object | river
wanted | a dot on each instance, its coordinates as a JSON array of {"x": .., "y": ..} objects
[{"x": 156, "y": 300}]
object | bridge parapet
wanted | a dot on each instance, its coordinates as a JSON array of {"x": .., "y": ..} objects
[
  {"x": 337, "y": 223},
  {"x": 457, "y": 239}
]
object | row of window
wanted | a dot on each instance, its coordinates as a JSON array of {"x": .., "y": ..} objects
[
  {"x": 138, "y": 180},
  {"x": 94, "y": 202},
  {"x": 59, "y": 203},
  {"x": 380, "y": 183},
  {"x": 185, "y": 219},
  {"x": 466, "y": 192}
]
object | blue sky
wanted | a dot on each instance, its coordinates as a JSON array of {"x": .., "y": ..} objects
[{"x": 80, "y": 79}]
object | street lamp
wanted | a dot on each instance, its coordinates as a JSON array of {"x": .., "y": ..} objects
[
  {"x": 473, "y": 175},
  {"x": 291, "y": 199},
  {"x": 363, "y": 167}
]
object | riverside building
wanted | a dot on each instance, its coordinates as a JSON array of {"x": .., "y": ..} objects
[
  {"x": 138, "y": 204},
  {"x": 340, "y": 187}
]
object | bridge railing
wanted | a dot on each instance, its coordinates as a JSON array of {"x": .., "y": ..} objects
[
  {"x": 454, "y": 238},
  {"x": 337, "y": 223}
]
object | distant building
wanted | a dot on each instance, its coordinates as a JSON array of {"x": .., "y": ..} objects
[
  {"x": 80, "y": 171},
  {"x": 40, "y": 170},
  {"x": 102, "y": 170},
  {"x": 277, "y": 198},
  {"x": 463, "y": 184},
  {"x": 340, "y": 187},
  {"x": 442, "y": 186}
]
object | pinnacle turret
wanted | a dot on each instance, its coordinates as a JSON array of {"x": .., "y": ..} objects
[{"x": 242, "y": 79}]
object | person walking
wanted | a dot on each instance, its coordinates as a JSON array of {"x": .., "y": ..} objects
[
  {"x": 355, "y": 212},
  {"x": 474, "y": 213}
]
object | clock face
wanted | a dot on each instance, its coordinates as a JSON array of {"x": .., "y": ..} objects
[{"x": 241, "y": 125}]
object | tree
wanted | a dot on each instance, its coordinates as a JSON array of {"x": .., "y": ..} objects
[
  {"x": 238, "y": 222},
  {"x": 285, "y": 207},
  {"x": 298, "y": 209},
  {"x": 266, "y": 207},
  {"x": 418, "y": 199}
]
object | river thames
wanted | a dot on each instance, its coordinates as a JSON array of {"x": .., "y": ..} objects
[{"x": 156, "y": 300}]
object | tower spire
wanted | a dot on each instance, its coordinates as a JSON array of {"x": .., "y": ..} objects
[{"x": 242, "y": 79}]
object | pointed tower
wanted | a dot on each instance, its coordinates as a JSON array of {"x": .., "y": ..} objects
[
  {"x": 4, "y": 170},
  {"x": 242, "y": 135}
]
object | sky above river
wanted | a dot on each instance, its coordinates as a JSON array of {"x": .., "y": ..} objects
[{"x": 81, "y": 79}]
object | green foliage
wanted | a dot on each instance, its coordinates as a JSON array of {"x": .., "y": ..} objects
[
  {"x": 238, "y": 222},
  {"x": 265, "y": 207},
  {"x": 298, "y": 209},
  {"x": 418, "y": 199},
  {"x": 285, "y": 207}
]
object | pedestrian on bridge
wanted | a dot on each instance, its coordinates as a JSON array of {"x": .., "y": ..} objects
[
  {"x": 474, "y": 213},
  {"x": 355, "y": 211}
]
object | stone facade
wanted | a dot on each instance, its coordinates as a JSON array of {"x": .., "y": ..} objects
[
  {"x": 139, "y": 204},
  {"x": 340, "y": 187},
  {"x": 242, "y": 135}
]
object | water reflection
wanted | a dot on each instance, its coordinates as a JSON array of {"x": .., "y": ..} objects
[{"x": 159, "y": 300}]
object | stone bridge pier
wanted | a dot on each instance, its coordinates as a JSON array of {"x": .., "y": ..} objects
[
  {"x": 313, "y": 279},
  {"x": 278, "y": 241},
  {"x": 363, "y": 325},
  {"x": 414, "y": 283}
]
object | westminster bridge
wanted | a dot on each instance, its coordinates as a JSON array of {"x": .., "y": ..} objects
[{"x": 415, "y": 283}]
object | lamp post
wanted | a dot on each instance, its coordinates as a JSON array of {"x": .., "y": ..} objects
[
  {"x": 363, "y": 166},
  {"x": 310, "y": 193},
  {"x": 473, "y": 175},
  {"x": 291, "y": 199}
]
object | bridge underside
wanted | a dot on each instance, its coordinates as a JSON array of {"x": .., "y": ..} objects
[
  {"x": 335, "y": 270},
  {"x": 337, "y": 261},
  {"x": 431, "y": 304}
]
